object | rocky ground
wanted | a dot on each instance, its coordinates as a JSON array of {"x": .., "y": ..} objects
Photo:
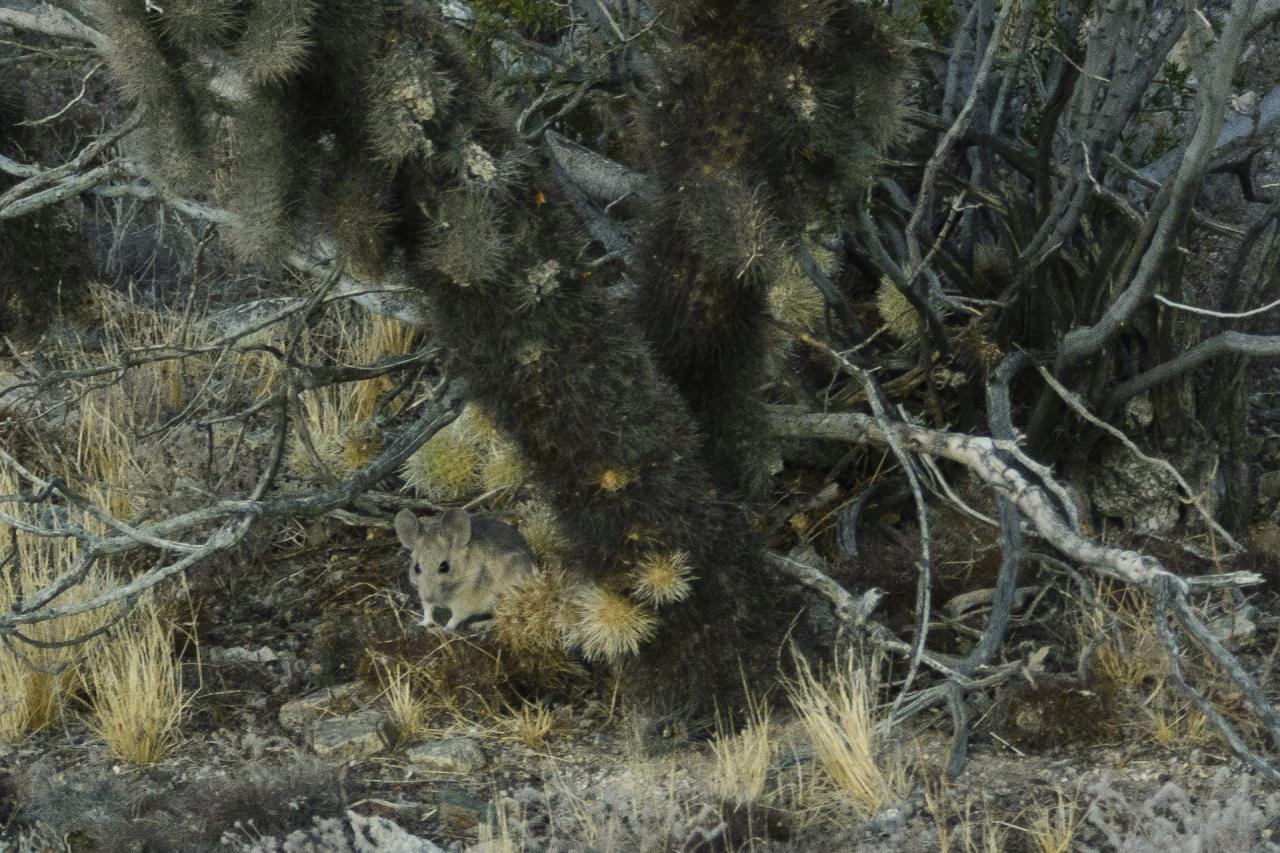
[{"x": 288, "y": 745}]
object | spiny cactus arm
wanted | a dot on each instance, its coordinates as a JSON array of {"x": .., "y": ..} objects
[
  {"x": 758, "y": 124},
  {"x": 391, "y": 296}
]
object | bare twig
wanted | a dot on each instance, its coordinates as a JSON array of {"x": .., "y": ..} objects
[{"x": 1077, "y": 405}]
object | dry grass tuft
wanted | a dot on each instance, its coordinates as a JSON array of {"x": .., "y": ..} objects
[
  {"x": 371, "y": 338},
  {"x": 137, "y": 697},
  {"x": 608, "y": 625},
  {"x": 458, "y": 679},
  {"x": 1054, "y": 827},
  {"x": 663, "y": 578},
  {"x": 339, "y": 419},
  {"x": 532, "y": 724},
  {"x": 839, "y": 720},
  {"x": 31, "y": 699},
  {"x": 325, "y": 427},
  {"x": 1131, "y": 665},
  {"x": 742, "y": 760},
  {"x": 956, "y": 825},
  {"x": 407, "y": 712}
]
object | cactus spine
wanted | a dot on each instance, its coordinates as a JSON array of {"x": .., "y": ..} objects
[
  {"x": 761, "y": 108},
  {"x": 371, "y": 121}
]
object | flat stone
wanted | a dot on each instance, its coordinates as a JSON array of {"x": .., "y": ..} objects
[
  {"x": 299, "y": 712},
  {"x": 460, "y": 812},
  {"x": 1266, "y": 540},
  {"x": 357, "y": 735},
  {"x": 353, "y": 833},
  {"x": 240, "y": 655},
  {"x": 448, "y": 755},
  {"x": 1268, "y": 486}
]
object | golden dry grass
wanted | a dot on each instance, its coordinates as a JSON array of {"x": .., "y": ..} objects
[
  {"x": 32, "y": 699},
  {"x": 406, "y": 710},
  {"x": 338, "y": 419},
  {"x": 838, "y": 717},
  {"x": 135, "y": 682},
  {"x": 325, "y": 425},
  {"x": 532, "y": 723},
  {"x": 742, "y": 759},
  {"x": 961, "y": 826},
  {"x": 1054, "y": 827},
  {"x": 1131, "y": 664},
  {"x": 365, "y": 339}
]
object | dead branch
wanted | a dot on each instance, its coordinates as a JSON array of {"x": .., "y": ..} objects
[
  {"x": 1077, "y": 405},
  {"x": 235, "y": 517},
  {"x": 985, "y": 457},
  {"x": 1224, "y": 343},
  {"x": 1174, "y": 203}
]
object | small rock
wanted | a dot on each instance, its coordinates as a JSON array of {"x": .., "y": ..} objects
[
  {"x": 1269, "y": 486},
  {"x": 240, "y": 655},
  {"x": 299, "y": 712},
  {"x": 459, "y": 812},
  {"x": 1266, "y": 540},
  {"x": 449, "y": 755},
  {"x": 357, "y": 735},
  {"x": 354, "y": 833},
  {"x": 1233, "y": 629}
]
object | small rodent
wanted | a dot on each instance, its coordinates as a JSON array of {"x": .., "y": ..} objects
[{"x": 462, "y": 563}]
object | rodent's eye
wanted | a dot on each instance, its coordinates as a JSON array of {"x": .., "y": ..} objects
[
  {"x": 417, "y": 569},
  {"x": 444, "y": 567}
]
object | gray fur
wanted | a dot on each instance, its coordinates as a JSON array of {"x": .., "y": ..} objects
[{"x": 485, "y": 558}]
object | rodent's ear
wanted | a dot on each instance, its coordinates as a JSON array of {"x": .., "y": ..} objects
[
  {"x": 455, "y": 525},
  {"x": 407, "y": 527}
]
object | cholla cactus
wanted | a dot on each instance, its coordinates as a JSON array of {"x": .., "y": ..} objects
[
  {"x": 276, "y": 40},
  {"x": 532, "y": 618},
  {"x": 897, "y": 313},
  {"x": 793, "y": 297},
  {"x": 447, "y": 467},
  {"x": 503, "y": 469},
  {"x": 623, "y": 427},
  {"x": 607, "y": 625},
  {"x": 756, "y": 113},
  {"x": 662, "y": 578},
  {"x": 538, "y": 524},
  {"x": 467, "y": 242}
]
